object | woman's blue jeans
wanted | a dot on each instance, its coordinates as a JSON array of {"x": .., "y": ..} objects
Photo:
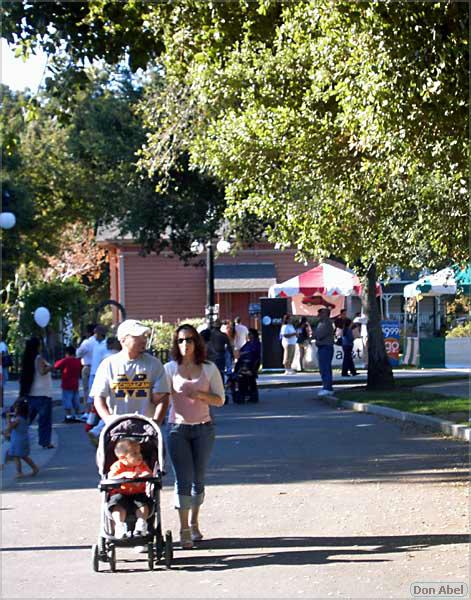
[
  {"x": 41, "y": 406},
  {"x": 190, "y": 447},
  {"x": 325, "y": 355}
]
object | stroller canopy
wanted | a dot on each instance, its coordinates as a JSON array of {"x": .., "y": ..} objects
[{"x": 143, "y": 429}]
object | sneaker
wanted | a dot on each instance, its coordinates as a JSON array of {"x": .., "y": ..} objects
[
  {"x": 196, "y": 534},
  {"x": 141, "y": 527},
  {"x": 325, "y": 392},
  {"x": 186, "y": 541},
  {"x": 140, "y": 549},
  {"x": 120, "y": 530}
]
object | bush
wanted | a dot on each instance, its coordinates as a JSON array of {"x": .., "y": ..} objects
[
  {"x": 460, "y": 331},
  {"x": 162, "y": 333}
]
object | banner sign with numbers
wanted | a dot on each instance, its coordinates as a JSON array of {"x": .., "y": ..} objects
[{"x": 391, "y": 340}]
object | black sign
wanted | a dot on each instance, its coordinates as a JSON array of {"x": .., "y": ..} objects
[{"x": 272, "y": 312}]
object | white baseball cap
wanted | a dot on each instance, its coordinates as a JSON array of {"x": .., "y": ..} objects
[{"x": 131, "y": 327}]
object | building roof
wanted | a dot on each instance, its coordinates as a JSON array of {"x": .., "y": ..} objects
[{"x": 242, "y": 277}]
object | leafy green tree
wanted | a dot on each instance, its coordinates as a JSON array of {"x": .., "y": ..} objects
[{"x": 343, "y": 125}]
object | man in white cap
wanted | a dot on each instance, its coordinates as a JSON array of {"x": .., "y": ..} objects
[{"x": 132, "y": 380}]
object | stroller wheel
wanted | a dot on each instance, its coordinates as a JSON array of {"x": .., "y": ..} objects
[
  {"x": 95, "y": 558},
  {"x": 112, "y": 559},
  {"x": 168, "y": 549},
  {"x": 150, "y": 556}
]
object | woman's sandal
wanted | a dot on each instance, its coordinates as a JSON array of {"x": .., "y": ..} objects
[
  {"x": 185, "y": 539},
  {"x": 196, "y": 534}
]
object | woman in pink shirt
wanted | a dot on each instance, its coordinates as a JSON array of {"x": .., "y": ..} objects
[{"x": 195, "y": 385}]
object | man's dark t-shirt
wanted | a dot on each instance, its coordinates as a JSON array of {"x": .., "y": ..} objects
[{"x": 216, "y": 344}]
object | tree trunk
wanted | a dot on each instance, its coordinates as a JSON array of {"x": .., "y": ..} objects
[{"x": 380, "y": 375}]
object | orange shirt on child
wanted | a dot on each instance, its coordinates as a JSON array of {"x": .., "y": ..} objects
[{"x": 129, "y": 489}]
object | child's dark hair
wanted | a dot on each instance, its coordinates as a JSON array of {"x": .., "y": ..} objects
[
  {"x": 21, "y": 408},
  {"x": 70, "y": 350}
]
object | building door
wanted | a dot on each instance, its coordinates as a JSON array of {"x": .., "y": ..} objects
[{"x": 240, "y": 306}]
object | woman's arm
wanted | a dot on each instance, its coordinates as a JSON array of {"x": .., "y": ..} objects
[{"x": 216, "y": 396}]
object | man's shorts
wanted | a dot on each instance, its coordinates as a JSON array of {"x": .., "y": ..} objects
[{"x": 130, "y": 502}]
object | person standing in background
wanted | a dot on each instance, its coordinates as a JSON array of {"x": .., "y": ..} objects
[
  {"x": 6, "y": 359},
  {"x": 217, "y": 343},
  {"x": 241, "y": 336},
  {"x": 288, "y": 341},
  {"x": 347, "y": 348},
  {"x": 304, "y": 334},
  {"x": 36, "y": 389},
  {"x": 85, "y": 353},
  {"x": 324, "y": 337},
  {"x": 99, "y": 352}
]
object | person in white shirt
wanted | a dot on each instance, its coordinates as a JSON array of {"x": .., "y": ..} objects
[
  {"x": 288, "y": 338},
  {"x": 131, "y": 381},
  {"x": 85, "y": 353},
  {"x": 99, "y": 352},
  {"x": 241, "y": 335}
]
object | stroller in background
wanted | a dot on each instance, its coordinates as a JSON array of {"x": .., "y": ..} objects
[
  {"x": 241, "y": 385},
  {"x": 149, "y": 436}
]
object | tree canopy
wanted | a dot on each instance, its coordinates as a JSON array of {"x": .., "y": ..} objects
[{"x": 344, "y": 125}]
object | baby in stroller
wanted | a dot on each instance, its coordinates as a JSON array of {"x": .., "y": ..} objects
[
  {"x": 129, "y": 497},
  {"x": 130, "y": 488}
]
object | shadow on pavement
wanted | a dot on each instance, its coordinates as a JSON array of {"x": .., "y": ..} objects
[
  {"x": 347, "y": 549},
  {"x": 282, "y": 551},
  {"x": 288, "y": 437}
]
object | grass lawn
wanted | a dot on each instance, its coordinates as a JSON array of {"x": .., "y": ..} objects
[{"x": 408, "y": 400}]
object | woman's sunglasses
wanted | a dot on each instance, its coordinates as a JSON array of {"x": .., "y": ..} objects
[{"x": 188, "y": 340}]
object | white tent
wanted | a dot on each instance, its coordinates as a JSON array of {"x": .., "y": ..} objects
[{"x": 438, "y": 284}]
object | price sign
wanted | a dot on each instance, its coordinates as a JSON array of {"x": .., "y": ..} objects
[{"x": 391, "y": 341}]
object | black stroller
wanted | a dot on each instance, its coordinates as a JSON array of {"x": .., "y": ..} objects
[
  {"x": 241, "y": 384},
  {"x": 150, "y": 437}
]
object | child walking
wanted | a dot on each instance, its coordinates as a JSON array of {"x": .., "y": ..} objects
[
  {"x": 18, "y": 428},
  {"x": 70, "y": 368}
]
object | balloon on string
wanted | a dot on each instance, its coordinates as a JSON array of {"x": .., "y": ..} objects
[{"x": 42, "y": 316}]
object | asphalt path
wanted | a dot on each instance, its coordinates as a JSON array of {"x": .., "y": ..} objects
[{"x": 303, "y": 501}]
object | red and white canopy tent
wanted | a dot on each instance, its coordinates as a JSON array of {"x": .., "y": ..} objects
[{"x": 325, "y": 284}]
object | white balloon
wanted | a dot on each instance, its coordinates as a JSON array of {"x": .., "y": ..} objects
[
  {"x": 7, "y": 220},
  {"x": 223, "y": 246},
  {"x": 42, "y": 316}
]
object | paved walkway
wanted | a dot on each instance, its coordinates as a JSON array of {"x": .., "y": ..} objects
[
  {"x": 313, "y": 378},
  {"x": 303, "y": 501},
  {"x": 266, "y": 381}
]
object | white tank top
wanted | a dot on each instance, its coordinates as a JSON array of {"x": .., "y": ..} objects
[{"x": 42, "y": 384}]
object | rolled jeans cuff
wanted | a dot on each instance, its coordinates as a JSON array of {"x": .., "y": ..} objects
[{"x": 187, "y": 502}]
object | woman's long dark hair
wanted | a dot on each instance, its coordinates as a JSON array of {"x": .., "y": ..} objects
[
  {"x": 200, "y": 347},
  {"x": 27, "y": 365}
]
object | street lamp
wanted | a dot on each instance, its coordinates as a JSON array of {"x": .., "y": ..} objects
[{"x": 223, "y": 247}]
